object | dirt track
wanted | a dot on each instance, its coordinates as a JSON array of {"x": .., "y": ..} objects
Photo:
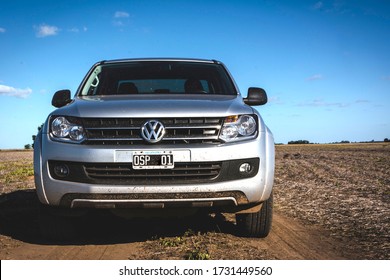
[
  {"x": 319, "y": 194},
  {"x": 287, "y": 241},
  {"x": 107, "y": 237}
]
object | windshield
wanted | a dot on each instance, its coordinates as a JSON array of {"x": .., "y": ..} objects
[{"x": 162, "y": 77}]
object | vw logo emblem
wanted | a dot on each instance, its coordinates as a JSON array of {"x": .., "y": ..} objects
[{"x": 152, "y": 131}]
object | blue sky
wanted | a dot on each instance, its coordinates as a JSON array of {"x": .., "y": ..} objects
[{"x": 324, "y": 64}]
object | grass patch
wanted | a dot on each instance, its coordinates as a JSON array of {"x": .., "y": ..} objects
[
  {"x": 171, "y": 242},
  {"x": 190, "y": 246},
  {"x": 198, "y": 254},
  {"x": 12, "y": 172}
]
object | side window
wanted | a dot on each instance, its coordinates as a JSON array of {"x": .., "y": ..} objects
[
  {"x": 93, "y": 87},
  {"x": 205, "y": 85},
  {"x": 92, "y": 82}
]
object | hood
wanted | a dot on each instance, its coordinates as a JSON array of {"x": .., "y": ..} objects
[{"x": 155, "y": 105}]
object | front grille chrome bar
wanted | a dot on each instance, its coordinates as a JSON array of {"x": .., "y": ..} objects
[{"x": 122, "y": 131}]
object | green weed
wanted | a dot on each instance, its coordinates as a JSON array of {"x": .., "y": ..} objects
[
  {"x": 198, "y": 254},
  {"x": 171, "y": 242}
]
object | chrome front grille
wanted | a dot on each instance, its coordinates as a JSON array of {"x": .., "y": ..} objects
[{"x": 126, "y": 131}]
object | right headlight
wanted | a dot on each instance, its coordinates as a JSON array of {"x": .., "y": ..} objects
[
  {"x": 236, "y": 128},
  {"x": 62, "y": 129}
]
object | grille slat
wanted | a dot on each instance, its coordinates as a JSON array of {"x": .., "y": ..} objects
[
  {"x": 182, "y": 172},
  {"x": 112, "y": 128},
  {"x": 126, "y": 131},
  {"x": 150, "y": 176}
]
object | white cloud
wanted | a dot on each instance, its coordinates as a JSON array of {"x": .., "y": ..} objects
[
  {"x": 322, "y": 103},
  {"x": 118, "y": 23},
  {"x": 275, "y": 100},
  {"x": 315, "y": 77},
  {"x": 15, "y": 92},
  {"x": 362, "y": 101},
  {"x": 318, "y": 5},
  {"x": 45, "y": 30},
  {"x": 336, "y": 6},
  {"x": 74, "y": 30},
  {"x": 121, "y": 14},
  {"x": 121, "y": 18},
  {"x": 77, "y": 30},
  {"x": 2, "y": 30}
]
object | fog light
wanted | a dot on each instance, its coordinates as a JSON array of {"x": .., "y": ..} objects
[
  {"x": 245, "y": 168},
  {"x": 61, "y": 170}
]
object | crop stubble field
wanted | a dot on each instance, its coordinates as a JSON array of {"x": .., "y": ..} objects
[
  {"x": 338, "y": 194},
  {"x": 343, "y": 188}
]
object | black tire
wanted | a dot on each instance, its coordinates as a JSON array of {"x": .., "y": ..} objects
[
  {"x": 256, "y": 224},
  {"x": 54, "y": 227}
]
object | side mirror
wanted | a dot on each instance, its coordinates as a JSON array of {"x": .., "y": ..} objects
[
  {"x": 61, "y": 98},
  {"x": 256, "y": 96}
]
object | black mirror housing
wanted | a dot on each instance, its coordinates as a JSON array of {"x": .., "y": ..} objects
[
  {"x": 256, "y": 96},
  {"x": 61, "y": 98}
]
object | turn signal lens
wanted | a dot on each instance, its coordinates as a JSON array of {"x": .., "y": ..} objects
[{"x": 231, "y": 119}]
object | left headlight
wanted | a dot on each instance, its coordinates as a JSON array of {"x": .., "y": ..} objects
[
  {"x": 236, "y": 128},
  {"x": 67, "y": 129}
]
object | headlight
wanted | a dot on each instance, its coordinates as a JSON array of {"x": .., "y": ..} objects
[
  {"x": 247, "y": 125},
  {"x": 70, "y": 130},
  {"x": 60, "y": 127},
  {"x": 77, "y": 133},
  {"x": 237, "y": 128}
]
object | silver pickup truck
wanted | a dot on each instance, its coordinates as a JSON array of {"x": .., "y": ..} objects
[{"x": 157, "y": 135}]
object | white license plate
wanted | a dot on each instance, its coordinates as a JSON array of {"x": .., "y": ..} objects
[{"x": 153, "y": 160}]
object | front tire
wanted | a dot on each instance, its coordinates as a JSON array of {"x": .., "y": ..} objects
[{"x": 256, "y": 224}]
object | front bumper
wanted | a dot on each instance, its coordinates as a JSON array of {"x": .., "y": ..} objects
[{"x": 229, "y": 189}]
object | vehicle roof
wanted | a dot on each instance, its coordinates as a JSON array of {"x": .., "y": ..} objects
[{"x": 159, "y": 59}]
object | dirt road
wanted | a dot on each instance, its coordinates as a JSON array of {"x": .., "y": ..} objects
[
  {"x": 331, "y": 202},
  {"x": 116, "y": 239}
]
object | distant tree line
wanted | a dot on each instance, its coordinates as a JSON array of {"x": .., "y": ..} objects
[
  {"x": 341, "y": 142},
  {"x": 299, "y": 142},
  {"x": 31, "y": 146}
]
